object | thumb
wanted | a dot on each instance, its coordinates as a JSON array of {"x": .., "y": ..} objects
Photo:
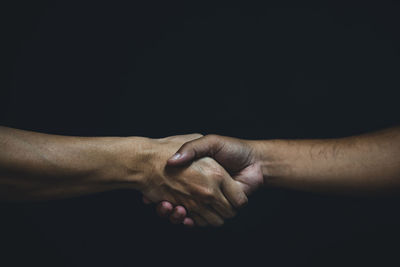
[{"x": 195, "y": 149}]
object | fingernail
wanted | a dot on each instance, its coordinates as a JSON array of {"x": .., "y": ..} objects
[{"x": 176, "y": 156}]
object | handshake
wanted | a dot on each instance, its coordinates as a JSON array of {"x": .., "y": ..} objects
[
  {"x": 194, "y": 179},
  {"x": 206, "y": 178}
]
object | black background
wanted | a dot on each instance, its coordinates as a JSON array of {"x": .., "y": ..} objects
[{"x": 160, "y": 68}]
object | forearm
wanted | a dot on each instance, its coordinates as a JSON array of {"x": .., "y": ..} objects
[
  {"x": 35, "y": 166},
  {"x": 360, "y": 164}
]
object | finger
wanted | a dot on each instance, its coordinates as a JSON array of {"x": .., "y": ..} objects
[
  {"x": 184, "y": 137},
  {"x": 164, "y": 209},
  {"x": 234, "y": 193},
  {"x": 188, "y": 222},
  {"x": 223, "y": 207},
  {"x": 198, "y": 220},
  {"x": 177, "y": 215},
  {"x": 219, "y": 201},
  {"x": 210, "y": 216},
  {"x": 146, "y": 200},
  {"x": 198, "y": 148}
]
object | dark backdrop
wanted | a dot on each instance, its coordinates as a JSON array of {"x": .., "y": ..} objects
[{"x": 159, "y": 68}]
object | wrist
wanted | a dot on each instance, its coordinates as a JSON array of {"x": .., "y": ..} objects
[
  {"x": 271, "y": 156},
  {"x": 129, "y": 162}
]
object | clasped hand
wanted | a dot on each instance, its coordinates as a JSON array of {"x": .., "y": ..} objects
[{"x": 205, "y": 181}]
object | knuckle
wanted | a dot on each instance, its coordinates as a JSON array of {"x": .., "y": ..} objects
[
  {"x": 218, "y": 176},
  {"x": 197, "y": 135},
  {"x": 220, "y": 203},
  {"x": 212, "y": 137},
  {"x": 242, "y": 201},
  {"x": 184, "y": 146},
  {"x": 206, "y": 193}
]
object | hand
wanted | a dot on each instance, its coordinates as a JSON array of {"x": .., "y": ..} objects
[
  {"x": 235, "y": 155},
  {"x": 203, "y": 187}
]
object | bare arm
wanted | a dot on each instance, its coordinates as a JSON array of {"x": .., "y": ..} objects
[
  {"x": 363, "y": 164},
  {"x": 367, "y": 163},
  {"x": 36, "y": 166}
]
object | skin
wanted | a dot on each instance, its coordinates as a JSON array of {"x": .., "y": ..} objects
[
  {"x": 37, "y": 167},
  {"x": 358, "y": 165}
]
